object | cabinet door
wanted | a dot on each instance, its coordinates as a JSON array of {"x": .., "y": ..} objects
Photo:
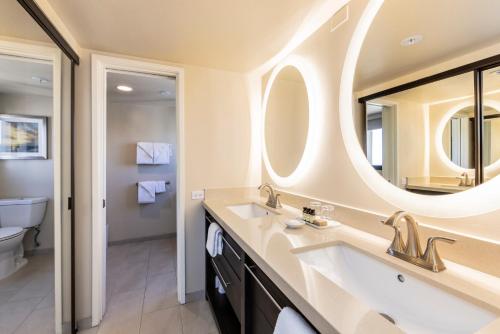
[{"x": 261, "y": 306}]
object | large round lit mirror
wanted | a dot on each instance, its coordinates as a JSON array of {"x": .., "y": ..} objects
[
  {"x": 424, "y": 90},
  {"x": 286, "y": 121}
]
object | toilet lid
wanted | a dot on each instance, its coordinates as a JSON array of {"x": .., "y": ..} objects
[{"x": 9, "y": 232}]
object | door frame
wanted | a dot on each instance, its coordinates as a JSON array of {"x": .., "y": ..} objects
[
  {"x": 101, "y": 64},
  {"x": 52, "y": 55}
]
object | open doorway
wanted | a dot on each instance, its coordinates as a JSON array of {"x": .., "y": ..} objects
[
  {"x": 138, "y": 221},
  {"x": 141, "y": 189}
]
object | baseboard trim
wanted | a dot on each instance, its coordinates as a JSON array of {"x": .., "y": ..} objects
[
  {"x": 153, "y": 237},
  {"x": 33, "y": 252},
  {"x": 195, "y": 296}
]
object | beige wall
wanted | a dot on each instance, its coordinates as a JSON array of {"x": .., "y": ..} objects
[
  {"x": 332, "y": 176},
  {"x": 30, "y": 178},
  {"x": 217, "y": 144},
  {"x": 150, "y": 121}
]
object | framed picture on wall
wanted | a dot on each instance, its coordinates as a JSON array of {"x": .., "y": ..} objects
[{"x": 23, "y": 137}]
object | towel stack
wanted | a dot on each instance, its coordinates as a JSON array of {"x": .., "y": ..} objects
[
  {"x": 153, "y": 153},
  {"x": 147, "y": 190},
  {"x": 214, "y": 240}
]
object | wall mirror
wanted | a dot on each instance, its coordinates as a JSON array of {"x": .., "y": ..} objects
[
  {"x": 426, "y": 93},
  {"x": 287, "y": 123}
]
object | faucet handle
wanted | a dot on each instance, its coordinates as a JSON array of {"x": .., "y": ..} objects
[
  {"x": 431, "y": 255},
  {"x": 278, "y": 202}
]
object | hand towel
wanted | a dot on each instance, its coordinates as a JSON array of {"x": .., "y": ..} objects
[
  {"x": 219, "y": 286},
  {"x": 289, "y": 321},
  {"x": 146, "y": 192},
  {"x": 214, "y": 240},
  {"x": 145, "y": 153},
  {"x": 160, "y": 187},
  {"x": 161, "y": 153}
]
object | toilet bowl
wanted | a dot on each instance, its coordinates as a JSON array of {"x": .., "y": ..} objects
[{"x": 17, "y": 215}]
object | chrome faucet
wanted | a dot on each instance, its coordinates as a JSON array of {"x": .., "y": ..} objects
[
  {"x": 411, "y": 251},
  {"x": 273, "y": 200}
]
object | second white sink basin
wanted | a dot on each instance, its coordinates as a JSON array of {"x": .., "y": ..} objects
[
  {"x": 414, "y": 305},
  {"x": 250, "y": 210}
]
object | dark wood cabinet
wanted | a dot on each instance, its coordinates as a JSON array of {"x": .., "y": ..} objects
[{"x": 251, "y": 302}]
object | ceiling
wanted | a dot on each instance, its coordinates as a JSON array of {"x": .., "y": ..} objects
[
  {"x": 450, "y": 28},
  {"x": 17, "y": 23},
  {"x": 145, "y": 87},
  {"x": 225, "y": 34},
  {"x": 22, "y": 76}
]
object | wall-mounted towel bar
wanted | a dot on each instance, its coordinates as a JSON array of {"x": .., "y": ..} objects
[{"x": 166, "y": 182}]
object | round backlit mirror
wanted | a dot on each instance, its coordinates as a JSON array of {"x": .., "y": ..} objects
[
  {"x": 288, "y": 120},
  {"x": 406, "y": 71}
]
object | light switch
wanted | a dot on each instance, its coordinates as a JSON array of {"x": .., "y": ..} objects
[{"x": 198, "y": 194}]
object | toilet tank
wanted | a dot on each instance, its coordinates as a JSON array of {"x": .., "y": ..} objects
[{"x": 23, "y": 212}]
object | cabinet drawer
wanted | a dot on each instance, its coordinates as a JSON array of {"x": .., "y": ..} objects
[
  {"x": 233, "y": 254},
  {"x": 230, "y": 282}
]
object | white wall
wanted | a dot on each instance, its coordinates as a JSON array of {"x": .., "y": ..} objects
[
  {"x": 30, "y": 178},
  {"x": 217, "y": 144},
  {"x": 149, "y": 121}
]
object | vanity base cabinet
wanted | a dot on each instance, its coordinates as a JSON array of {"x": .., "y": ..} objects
[{"x": 251, "y": 302}]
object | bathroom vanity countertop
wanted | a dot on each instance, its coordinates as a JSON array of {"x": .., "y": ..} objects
[
  {"x": 436, "y": 187},
  {"x": 329, "y": 307}
]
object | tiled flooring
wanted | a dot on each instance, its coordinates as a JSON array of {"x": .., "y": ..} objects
[
  {"x": 142, "y": 293},
  {"x": 27, "y": 298}
]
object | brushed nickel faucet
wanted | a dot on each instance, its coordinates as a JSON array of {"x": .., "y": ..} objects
[
  {"x": 273, "y": 200},
  {"x": 465, "y": 180},
  {"x": 410, "y": 251}
]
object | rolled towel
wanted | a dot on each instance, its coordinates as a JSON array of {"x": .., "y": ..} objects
[
  {"x": 145, "y": 153},
  {"x": 146, "y": 192},
  {"x": 214, "y": 240},
  {"x": 289, "y": 321},
  {"x": 161, "y": 153},
  {"x": 219, "y": 286}
]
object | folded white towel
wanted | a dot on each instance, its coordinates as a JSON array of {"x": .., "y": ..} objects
[
  {"x": 214, "y": 240},
  {"x": 161, "y": 153},
  {"x": 145, "y": 153},
  {"x": 160, "y": 187},
  {"x": 219, "y": 286},
  {"x": 146, "y": 192},
  {"x": 289, "y": 321}
]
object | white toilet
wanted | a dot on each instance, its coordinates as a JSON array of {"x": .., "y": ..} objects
[{"x": 17, "y": 215}]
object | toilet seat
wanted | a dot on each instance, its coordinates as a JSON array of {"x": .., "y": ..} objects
[{"x": 7, "y": 233}]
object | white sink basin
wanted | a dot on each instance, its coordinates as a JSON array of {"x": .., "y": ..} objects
[
  {"x": 414, "y": 305},
  {"x": 250, "y": 210}
]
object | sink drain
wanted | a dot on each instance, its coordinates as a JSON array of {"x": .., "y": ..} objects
[{"x": 388, "y": 317}]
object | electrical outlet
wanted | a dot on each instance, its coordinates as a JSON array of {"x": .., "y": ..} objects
[{"x": 198, "y": 194}]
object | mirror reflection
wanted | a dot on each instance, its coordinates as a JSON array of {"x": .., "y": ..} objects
[
  {"x": 286, "y": 121},
  {"x": 418, "y": 107}
]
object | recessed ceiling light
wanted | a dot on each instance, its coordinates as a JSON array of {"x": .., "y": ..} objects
[
  {"x": 165, "y": 92},
  {"x": 412, "y": 40},
  {"x": 124, "y": 88}
]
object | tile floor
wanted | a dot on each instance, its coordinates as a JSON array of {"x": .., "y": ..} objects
[
  {"x": 27, "y": 298},
  {"x": 142, "y": 293}
]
